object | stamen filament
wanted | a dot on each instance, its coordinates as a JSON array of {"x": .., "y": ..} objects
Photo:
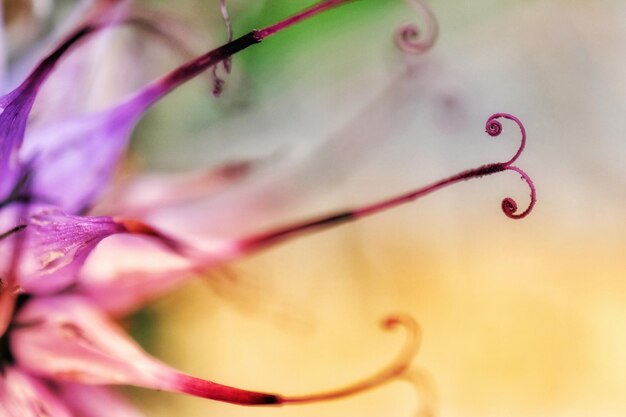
[
  {"x": 397, "y": 368},
  {"x": 509, "y": 206},
  {"x": 314, "y": 10},
  {"x": 394, "y": 370}
]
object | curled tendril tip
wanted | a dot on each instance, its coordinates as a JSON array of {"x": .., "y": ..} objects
[{"x": 413, "y": 40}]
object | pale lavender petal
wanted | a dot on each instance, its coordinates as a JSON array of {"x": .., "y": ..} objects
[
  {"x": 22, "y": 395},
  {"x": 94, "y": 401},
  {"x": 66, "y": 339}
]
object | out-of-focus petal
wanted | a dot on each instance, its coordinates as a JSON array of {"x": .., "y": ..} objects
[
  {"x": 94, "y": 401},
  {"x": 150, "y": 192},
  {"x": 66, "y": 339},
  {"x": 22, "y": 395},
  {"x": 99, "y": 76}
]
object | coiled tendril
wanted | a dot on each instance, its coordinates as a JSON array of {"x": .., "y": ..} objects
[
  {"x": 412, "y": 39},
  {"x": 493, "y": 127}
]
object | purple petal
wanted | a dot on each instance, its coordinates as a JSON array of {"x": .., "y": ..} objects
[
  {"x": 66, "y": 339},
  {"x": 93, "y": 401},
  {"x": 73, "y": 160},
  {"x": 17, "y": 106},
  {"x": 3, "y": 52},
  {"x": 22, "y": 395},
  {"x": 61, "y": 244}
]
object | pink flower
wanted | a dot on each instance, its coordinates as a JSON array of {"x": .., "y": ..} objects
[{"x": 59, "y": 346}]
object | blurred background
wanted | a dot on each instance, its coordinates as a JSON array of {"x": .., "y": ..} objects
[{"x": 518, "y": 317}]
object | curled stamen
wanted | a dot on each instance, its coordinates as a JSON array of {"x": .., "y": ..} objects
[
  {"x": 493, "y": 127},
  {"x": 414, "y": 40},
  {"x": 509, "y": 206},
  {"x": 394, "y": 370}
]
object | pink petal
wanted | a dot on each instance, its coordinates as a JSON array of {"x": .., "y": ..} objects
[
  {"x": 125, "y": 272},
  {"x": 66, "y": 339},
  {"x": 22, "y": 395},
  {"x": 93, "y": 401}
]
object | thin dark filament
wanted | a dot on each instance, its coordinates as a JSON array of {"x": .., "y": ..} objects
[
  {"x": 316, "y": 9},
  {"x": 12, "y": 231},
  {"x": 158, "y": 89}
]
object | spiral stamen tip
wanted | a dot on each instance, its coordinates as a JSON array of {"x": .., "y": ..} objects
[
  {"x": 493, "y": 127},
  {"x": 509, "y": 207},
  {"x": 393, "y": 321}
]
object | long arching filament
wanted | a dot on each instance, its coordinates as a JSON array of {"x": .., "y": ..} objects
[{"x": 392, "y": 371}]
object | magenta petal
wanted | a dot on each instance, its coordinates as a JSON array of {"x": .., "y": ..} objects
[
  {"x": 66, "y": 339},
  {"x": 22, "y": 395},
  {"x": 94, "y": 401}
]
